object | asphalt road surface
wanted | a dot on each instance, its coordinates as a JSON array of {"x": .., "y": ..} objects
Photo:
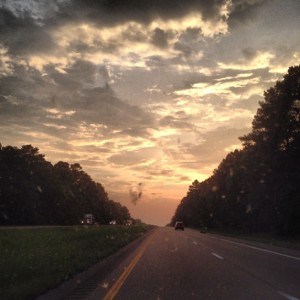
[{"x": 171, "y": 264}]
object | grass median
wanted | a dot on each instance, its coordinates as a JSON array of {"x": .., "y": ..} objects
[{"x": 33, "y": 260}]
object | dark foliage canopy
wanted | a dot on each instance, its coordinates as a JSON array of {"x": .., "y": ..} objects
[
  {"x": 256, "y": 189},
  {"x": 35, "y": 192}
]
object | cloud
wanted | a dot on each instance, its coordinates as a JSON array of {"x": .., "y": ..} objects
[
  {"x": 178, "y": 121},
  {"x": 160, "y": 38},
  {"x": 244, "y": 10},
  {"x": 22, "y": 36},
  {"x": 131, "y": 33},
  {"x": 213, "y": 147},
  {"x": 140, "y": 90},
  {"x": 251, "y": 103},
  {"x": 249, "y": 53},
  {"x": 116, "y": 12},
  {"x": 135, "y": 157},
  {"x": 63, "y": 104}
]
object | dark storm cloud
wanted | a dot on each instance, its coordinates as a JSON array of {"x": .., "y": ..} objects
[
  {"x": 56, "y": 103},
  {"x": 190, "y": 41},
  {"x": 96, "y": 45},
  {"x": 21, "y": 35},
  {"x": 243, "y": 10},
  {"x": 76, "y": 75},
  {"x": 160, "y": 38},
  {"x": 185, "y": 49},
  {"x": 142, "y": 11},
  {"x": 100, "y": 105},
  {"x": 25, "y": 89},
  {"x": 110, "y": 13},
  {"x": 22, "y": 32}
]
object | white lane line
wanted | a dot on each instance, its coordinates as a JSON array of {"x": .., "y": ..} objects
[
  {"x": 259, "y": 249},
  {"x": 216, "y": 255},
  {"x": 288, "y": 296}
]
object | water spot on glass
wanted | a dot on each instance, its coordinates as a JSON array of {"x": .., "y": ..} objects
[
  {"x": 248, "y": 208},
  {"x": 214, "y": 188},
  {"x": 104, "y": 285}
]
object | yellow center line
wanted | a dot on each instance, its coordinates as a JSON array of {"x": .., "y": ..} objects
[{"x": 118, "y": 284}]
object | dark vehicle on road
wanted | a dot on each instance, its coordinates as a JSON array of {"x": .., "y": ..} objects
[
  {"x": 179, "y": 226},
  {"x": 88, "y": 219}
]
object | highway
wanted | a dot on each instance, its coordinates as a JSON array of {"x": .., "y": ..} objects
[{"x": 171, "y": 264}]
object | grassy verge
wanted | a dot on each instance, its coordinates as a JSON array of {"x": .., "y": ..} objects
[
  {"x": 33, "y": 260},
  {"x": 292, "y": 243}
]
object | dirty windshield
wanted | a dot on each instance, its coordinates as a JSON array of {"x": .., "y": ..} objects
[{"x": 149, "y": 149}]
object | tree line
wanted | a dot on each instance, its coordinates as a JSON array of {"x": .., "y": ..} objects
[
  {"x": 256, "y": 189},
  {"x": 35, "y": 192}
]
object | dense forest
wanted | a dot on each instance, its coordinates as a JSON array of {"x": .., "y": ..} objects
[
  {"x": 256, "y": 189},
  {"x": 35, "y": 192}
]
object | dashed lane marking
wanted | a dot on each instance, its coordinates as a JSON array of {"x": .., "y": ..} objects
[
  {"x": 289, "y": 297},
  {"x": 258, "y": 249},
  {"x": 216, "y": 255}
]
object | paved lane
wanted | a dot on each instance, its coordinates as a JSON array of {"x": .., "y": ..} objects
[{"x": 190, "y": 265}]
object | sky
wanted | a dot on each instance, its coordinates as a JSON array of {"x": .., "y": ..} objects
[{"x": 146, "y": 95}]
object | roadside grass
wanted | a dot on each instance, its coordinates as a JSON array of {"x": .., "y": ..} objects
[
  {"x": 286, "y": 242},
  {"x": 32, "y": 260}
]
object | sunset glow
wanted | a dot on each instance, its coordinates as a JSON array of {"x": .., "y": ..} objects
[{"x": 152, "y": 95}]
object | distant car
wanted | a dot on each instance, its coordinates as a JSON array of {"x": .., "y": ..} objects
[
  {"x": 203, "y": 229},
  {"x": 88, "y": 219},
  {"x": 113, "y": 222},
  {"x": 128, "y": 223},
  {"x": 179, "y": 226}
]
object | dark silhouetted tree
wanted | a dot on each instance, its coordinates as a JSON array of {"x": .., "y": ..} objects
[
  {"x": 33, "y": 191},
  {"x": 257, "y": 188}
]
